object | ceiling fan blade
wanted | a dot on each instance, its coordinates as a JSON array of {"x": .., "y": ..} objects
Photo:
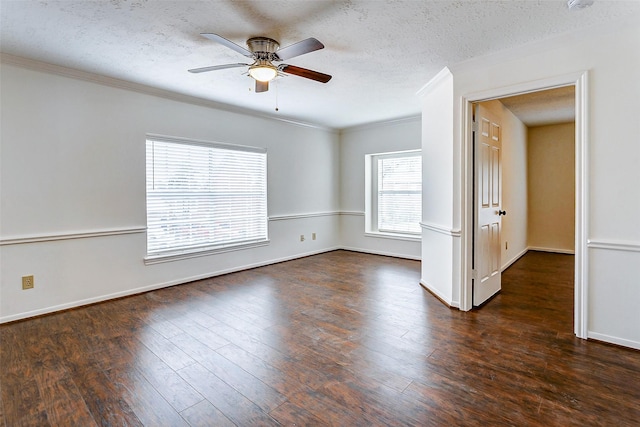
[
  {"x": 216, "y": 67},
  {"x": 261, "y": 86},
  {"x": 300, "y": 48},
  {"x": 303, "y": 72},
  {"x": 228, "y": 43}
]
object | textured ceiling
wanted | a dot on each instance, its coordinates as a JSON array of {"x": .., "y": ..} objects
[{"x": 380, "y": 53}]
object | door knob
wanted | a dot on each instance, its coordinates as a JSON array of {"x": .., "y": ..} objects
[{"x": 501, "y": 212}]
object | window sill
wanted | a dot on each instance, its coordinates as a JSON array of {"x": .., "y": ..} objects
[
  {"x": 180, "y": 255},
  {"x": 394, "y": 236}
]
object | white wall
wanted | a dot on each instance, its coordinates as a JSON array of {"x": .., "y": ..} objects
[
  {"x": 73, "y": 189},
  {"x": 440, "y": 230},
  {"x": 612, "y": 241},
  {"x": 355, "y": 143},
  {"x": 514, "y": 188},
  {"x": 551, "y": 180}
]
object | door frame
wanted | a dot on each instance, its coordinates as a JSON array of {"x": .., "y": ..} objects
[{"x": 580, "y": 81}]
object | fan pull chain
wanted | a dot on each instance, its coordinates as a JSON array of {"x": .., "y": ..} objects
[{"x": 276, "y": 84}]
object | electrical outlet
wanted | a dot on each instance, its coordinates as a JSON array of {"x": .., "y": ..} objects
[
  {"x": 27, "y": 282},
  {"x": 302, "y": 237},
  {"x": 313, "y": 236}
]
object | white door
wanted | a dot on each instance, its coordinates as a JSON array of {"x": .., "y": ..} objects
[{"x": 488, "y": 205}]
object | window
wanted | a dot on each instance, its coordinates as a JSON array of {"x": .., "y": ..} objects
[
  {"x": 204, "y": 197},
  {"x": 394, "y": 193}
]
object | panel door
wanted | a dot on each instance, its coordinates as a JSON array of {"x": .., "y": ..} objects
[{"x": 488, "y": 205}]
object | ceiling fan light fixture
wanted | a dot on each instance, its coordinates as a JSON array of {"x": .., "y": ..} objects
[{"x": 263, "y": 72}]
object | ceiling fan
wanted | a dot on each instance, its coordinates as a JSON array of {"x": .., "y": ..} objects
[{"x": 264, "y": 52}]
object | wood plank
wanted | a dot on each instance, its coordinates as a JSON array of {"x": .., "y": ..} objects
[
  {"x": 102, "y": 397},
  {"x": 325, "y": 409},
  {"x": 21, "y": 399},
  {"x": 289, "y": 414},
  {"x": 170, "y": 354},
  {"x": 144, "y": 399},
  {"x": 261, "y": 394},
  {"x": 287, "y": 376},
  {"x": 233, "y": 404},
  {"x": 62, "y": 399},
  {"x": 165, "y": 380},
  {"x": 204, "y": 414},
  {"x": 200, "y": 333}
]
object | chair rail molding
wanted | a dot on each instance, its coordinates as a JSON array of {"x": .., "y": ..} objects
[
  {"x": 454, "y": 232},
  {"x": 614, "y": 245},
  {"x": 52, "y": 237}
]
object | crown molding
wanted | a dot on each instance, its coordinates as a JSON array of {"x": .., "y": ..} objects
[
  {"x": 434, "y": 82},
  {"x": 73, "y": 73},
  {"x": 382, "y": 123}
]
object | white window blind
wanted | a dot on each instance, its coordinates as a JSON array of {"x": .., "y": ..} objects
[
  {"x": 399, "y": 192},
  {"x": 204, "y": 196}
]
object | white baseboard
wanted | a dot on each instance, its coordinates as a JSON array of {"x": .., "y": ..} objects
[
  {"x": 535, "y": 248},
  {"x": 553, "y": 250},
  {"x": 383, "y": 253},
  {"x": 613, "y": 340},
  {"x": 514, "y": 259},
  {"x": 135, "y": 291},
  {"x": 442, "y": 298}
]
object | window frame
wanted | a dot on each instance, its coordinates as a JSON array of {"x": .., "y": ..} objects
[
  {"x": 173, "y": 254},
  {"x": 371, "y": 196}
]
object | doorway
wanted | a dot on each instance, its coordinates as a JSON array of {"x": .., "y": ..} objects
[
  {"x": 578, "y": 81},
  {"x": 531, "y": 139}
]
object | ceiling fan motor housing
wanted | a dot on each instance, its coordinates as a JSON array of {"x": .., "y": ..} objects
[{"x": 264, "y": 48}]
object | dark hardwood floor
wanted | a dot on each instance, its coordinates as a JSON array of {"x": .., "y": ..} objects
[{"x": 342, "y": 338}]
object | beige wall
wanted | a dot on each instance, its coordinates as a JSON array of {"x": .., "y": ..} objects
[{"x": 551, "y": 183}]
